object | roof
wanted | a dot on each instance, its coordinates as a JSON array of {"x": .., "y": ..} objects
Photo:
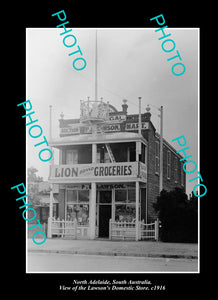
[
  {"x": 45, "y": 200},
  {"x": 97, "y": 138}
]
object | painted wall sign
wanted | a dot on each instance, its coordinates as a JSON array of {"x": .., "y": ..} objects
[
  {"x": 96, "y": 170},
  {"x": 75, "y": 129},
  {"x": 100, "y": 186},
  {"x": 111, "y": 128},
  {"x": 119, "y": 118},
  {"x": 70, "y": 130},
  {"x": 90, "y": 172},
  {"x": 135, "y": 126}
]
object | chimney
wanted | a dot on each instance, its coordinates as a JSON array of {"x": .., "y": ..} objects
[
  {"x": 147, "y": 114},
  {"x": 124, "y": 105}
]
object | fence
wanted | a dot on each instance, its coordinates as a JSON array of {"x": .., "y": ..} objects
[
  {"x": 64, "y": 228},
  {"x": 122, "y": 230},
  {"x": 127, "y": 230},
  {"x": 117, "y": 230},
  {"x": 150, "y": 231}
]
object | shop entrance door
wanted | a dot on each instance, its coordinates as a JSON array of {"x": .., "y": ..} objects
[
  {"x": 104, "y": 217},
  {"x": 104, "y": 213}
]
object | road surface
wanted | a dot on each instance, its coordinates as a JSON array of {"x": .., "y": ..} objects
[{"x": 57, "y": 262}]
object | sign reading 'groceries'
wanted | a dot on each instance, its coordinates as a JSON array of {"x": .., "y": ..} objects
[
  {"x": 99, "y": 170},
  {"x": 90, "y": 171}
]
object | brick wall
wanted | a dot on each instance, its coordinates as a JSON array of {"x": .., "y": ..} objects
[
  {"x": 153, "y": 178},
  {"x": 169, "y": 183}
]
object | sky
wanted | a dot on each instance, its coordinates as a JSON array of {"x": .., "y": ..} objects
[{"x": 131, "y": 64}]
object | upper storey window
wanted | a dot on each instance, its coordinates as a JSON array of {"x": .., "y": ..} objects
[{"x": 71, "y": 157}]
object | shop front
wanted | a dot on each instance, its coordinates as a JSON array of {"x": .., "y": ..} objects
[
  {"x": 103, "y": 185},
  {"x": 117, "y": 204},
  {"x": 114, "y": 201}
]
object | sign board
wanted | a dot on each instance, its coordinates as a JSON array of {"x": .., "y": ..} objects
[
  {"x": 143, "y": 172},
  {"x": 96, "y": 172},
  {"x": 113, "y": 127},
  {"x": 117, "y": 118},
  {"x": 128, "y": 169},
  {"x": 100, "y": 186},
  {"x": 70, "y": 130},
  {"x": 135, "y": 126}
]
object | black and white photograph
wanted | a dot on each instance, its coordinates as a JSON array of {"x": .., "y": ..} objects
[
  {"x": 112, "y": 149},
  {"x": 108, "y": 181}
]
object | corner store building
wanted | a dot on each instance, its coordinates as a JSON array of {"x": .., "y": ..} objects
[{"x": 108, "y": 170}]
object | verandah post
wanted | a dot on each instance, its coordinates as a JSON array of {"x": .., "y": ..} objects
[
  {"x": 137, "y": 211},
  {"x": 92, "y": 200}
]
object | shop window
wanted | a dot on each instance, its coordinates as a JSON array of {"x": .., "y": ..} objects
[
  {"x": 78, "y": 206},
  {"x": 125, "y": 205},
  {"x": 125, "y": 195},
  {"x": 121, "y": 195},
  {"x": 83, "y": 196},
  {"x": 131, "y": 196},
  {"x": 71, "y": 196},
  {"x": 78, "y": 212},
  {"x": 125, "y": 213}
]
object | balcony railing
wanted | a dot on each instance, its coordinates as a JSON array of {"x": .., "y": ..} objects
[{"x": 96, "y": 111}]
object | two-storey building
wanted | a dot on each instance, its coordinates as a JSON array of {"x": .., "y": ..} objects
[{"x": 109, "y": 169}]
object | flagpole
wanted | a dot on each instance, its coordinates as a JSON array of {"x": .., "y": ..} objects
[{"x": 96, "y": 69}]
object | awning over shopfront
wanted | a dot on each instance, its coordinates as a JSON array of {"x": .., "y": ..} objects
[{"x": 45, "y": 200}]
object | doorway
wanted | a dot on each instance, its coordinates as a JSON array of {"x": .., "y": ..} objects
[
  {"x": 104, "y": 213},
  {"x": 104, "y": 217}
]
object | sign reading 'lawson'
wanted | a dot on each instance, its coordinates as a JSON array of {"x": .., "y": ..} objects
[{"x": 75, "y": 129}]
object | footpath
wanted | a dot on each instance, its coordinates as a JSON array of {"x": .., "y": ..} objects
[{"x": 116, "y": 248}]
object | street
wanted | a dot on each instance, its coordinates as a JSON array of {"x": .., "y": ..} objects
[{"x": 56, "y": 262}]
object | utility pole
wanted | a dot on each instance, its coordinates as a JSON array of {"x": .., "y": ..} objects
[
  {"x": 140, "y": 116},
  {"x": 161, "y": 149},
  {"x": 50, "y": 185},
  {"x": 138, "y": 152},
  {"x": 50, "y": 122}
]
